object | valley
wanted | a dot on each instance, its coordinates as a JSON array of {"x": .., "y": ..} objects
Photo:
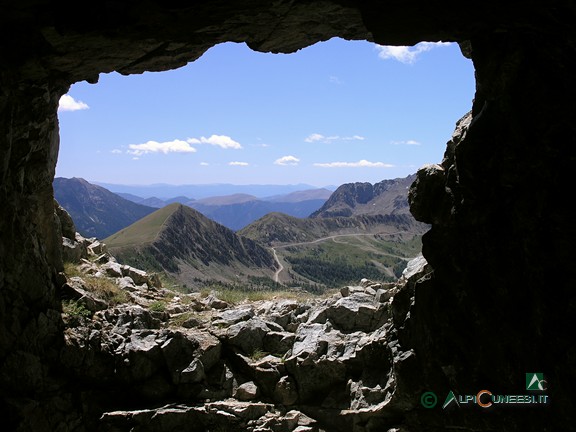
[
  {"x": 376, "y": 256},
  {"x": 358, "y": 231}
]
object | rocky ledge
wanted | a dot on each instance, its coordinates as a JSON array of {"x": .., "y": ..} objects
[{"x": 147, "y": 358}]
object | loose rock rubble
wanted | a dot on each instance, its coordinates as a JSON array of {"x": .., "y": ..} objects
[{"x": 197, "y": 363}]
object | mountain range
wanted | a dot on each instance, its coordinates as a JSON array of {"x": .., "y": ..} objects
[
  {"x": 199, "y": 191},
  {"x": 97, "y": 212},
  {"x": 238, "y": 210},
  {"x": 361, "y": 230},
  {"x": 353, "y": 208}
]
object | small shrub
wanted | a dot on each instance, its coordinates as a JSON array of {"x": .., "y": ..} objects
[
  {"x": 258, "y": 354},
  {"x": 75, "y": 310},
  {"x": 157, "y": 306},
  {"x": 71, "y": 269}
]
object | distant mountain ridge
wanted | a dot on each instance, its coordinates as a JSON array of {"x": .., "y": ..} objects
[
  {"x": 199, "y": 191},
  {"x": 226, "y": 200},
  {"x": 303, "y": 195},
  {"x": 239, "y": 215},
  {"x": 96, "y": 211},
  {"x": 239, "y": 210},
  {"x": 183, "y": 242}
]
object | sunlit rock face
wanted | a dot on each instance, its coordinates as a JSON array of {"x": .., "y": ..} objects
[{"x": 501, "y": 302}]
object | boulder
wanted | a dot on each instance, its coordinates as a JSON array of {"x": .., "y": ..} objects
[
  {"x": 71, "y": 250},
  {"x": 286, "y": 391},
  {"x": 139, "y": 277},
  {"x": 112, "y": 269},
  {"x": 96, "y": 248},
  {"x": 234, "y": 315},
  {"x": 75, "y": 289},
  {"x": 248, "y": 335},
  {"x": 67, "y": 227},
  {"x": 247, "y": 391}
]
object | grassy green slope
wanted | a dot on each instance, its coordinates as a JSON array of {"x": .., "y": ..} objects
[
  {"x": 331, "y": 252},
  {"x": 347, "y": 259},
  {"x": 191, "y": 248},
  {"x": 277, "y": 229},
  {"x": 143, "y": 231}
]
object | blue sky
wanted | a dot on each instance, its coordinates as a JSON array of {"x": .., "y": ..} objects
[{"x": 333, "y": 113}]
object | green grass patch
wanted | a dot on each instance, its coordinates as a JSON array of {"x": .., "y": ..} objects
[
  {"x": 258, "y": 354},
  {"x": 72, "y": 270},
  {"x": 106, "y": 289},
  {"x": 158, "y": 306},
  {"x": 102, "y": 287}
]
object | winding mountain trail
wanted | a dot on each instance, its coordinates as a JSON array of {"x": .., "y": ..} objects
[
  {"x": 280, "y": 266},
  {"x": 333, "y": 238}
]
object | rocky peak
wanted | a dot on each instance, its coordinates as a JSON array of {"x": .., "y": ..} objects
[{"x": 352, "y": 199}]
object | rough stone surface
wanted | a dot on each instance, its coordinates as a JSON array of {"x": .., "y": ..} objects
[
  {"x": 236, "y": 368},
  {"x": 501, "y": 300}
]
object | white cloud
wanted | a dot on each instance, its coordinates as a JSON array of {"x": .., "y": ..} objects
[
  {"x": 360, "y": 164},
  {"x": 334, "y": 80},
  {"x": 238, "y": 163},
  {"x": 316, "y": 137},
  {"x": 287, "y": 160},
  {"x": 68, "y": 103},
  {"x": 116, "y": 151},
  {"x": 218, "y": 140},
  {"x": 408, "y": 142},
  {"x": 176, "y": 146},
  {"x": 180, "y": 146},
  {"x": 204, "y": 164},
  {"x": 406, "y": 54}
]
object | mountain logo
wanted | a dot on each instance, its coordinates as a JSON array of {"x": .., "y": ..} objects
[
  {"x": 535, "y": 381},
  {"x": 449, "y": 399}
]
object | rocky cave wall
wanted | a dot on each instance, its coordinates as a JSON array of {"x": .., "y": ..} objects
[{"x": 502, "y": 299}]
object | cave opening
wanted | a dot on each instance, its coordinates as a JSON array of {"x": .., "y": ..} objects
[{"x": 337, "y": 112}]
